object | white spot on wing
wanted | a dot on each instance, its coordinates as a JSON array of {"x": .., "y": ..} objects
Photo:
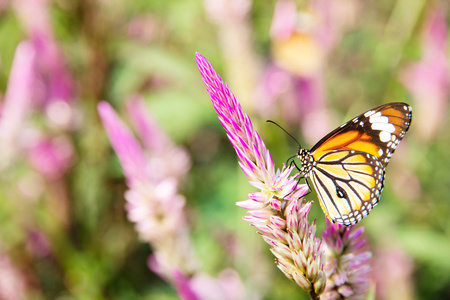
[
  {"x": 378, "y": 114},
  {"x": 385, "y": 136},
  {"x": 382, "y": 119},
  {"x": 384, "y": 127},
  {"x": 369, "y": 113}
]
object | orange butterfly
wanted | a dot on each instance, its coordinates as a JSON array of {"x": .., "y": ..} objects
[{"x": 347, "y": 166}]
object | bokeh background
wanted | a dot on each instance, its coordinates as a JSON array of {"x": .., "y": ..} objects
[{"x": 308, "y": 65}]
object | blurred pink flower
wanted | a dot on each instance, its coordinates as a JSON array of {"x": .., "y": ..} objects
[
  {"x": 40, "y": 86},
  {"x": 236, "y": 41},
  {"x": 227, "y": 11},
  {"x": 429, "y": 79},
  {"x": 153, "y": 203},
  {"x": 56, "y": 82},
  {"x": 38, "y": 243},
  {"x": 53, "y": 89},
  {"x": 313, "y": 114},
  {"x": 54, "y": 85},
  {"x": 398, "y": 283},
  {"x": 17, "y": 102},
  {"x": 284, "y": 22},
  {"x": 227, "y": 286},
  {"x": 4, "y": 5},
  {"x": 324, "y": 20},
  {"x": 301, "y": 40},
  {"x": 152, "y": 136},
  {"x": 334, "y": 17},
  {"x": 297, "y": 100},
  {"x": 142, "y": 28},
  {"x": 127, "y": 148},
  {"x": 12, "y": 283},
  {"x": 34, "y": 15},
  {"x": 51, "y": 156},
  {"x": 168, "y": 159}
]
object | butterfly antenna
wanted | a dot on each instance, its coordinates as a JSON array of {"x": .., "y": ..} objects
[{"x": 270, "y": 121}]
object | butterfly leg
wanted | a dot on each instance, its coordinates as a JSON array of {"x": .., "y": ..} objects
[
  {"x": 300, "y": 178},
  {"x": 309, "y": 187},
  {"x": 291, "y": 162},
  {"x": 295, "y": 187}
]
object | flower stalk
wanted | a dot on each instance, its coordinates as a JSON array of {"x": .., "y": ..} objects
[{"x": 278, "y": 210}]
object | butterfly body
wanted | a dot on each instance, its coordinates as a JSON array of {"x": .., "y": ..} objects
[{"x": 347, "y": 166}]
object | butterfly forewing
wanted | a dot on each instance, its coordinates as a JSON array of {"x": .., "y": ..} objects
[
  {"x": 347, "y": 168},
  {"x": 377, "y": 131}
]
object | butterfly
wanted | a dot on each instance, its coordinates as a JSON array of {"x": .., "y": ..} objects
[{"x": 347, "y": 166}]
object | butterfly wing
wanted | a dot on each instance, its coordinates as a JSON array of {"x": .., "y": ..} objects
[
  {"x": 348, "y": 174},
  {"x": 348, "y": 184},
  {"x": 377, "y": 132}
]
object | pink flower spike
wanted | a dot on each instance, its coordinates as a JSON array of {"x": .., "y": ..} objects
[
  {"x": 281, "y": 222},
  {"x": 230, "y": 110},
  {"x": 347, "y": 266},
  {"x": 125, "y": 145}
]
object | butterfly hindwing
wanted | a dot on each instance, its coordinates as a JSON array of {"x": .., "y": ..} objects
[{"x": 348, "y": 184}]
